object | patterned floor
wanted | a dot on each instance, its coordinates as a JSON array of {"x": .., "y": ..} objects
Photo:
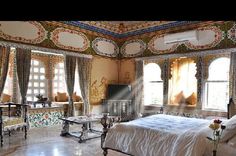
[{"x": 48, "y": 142}]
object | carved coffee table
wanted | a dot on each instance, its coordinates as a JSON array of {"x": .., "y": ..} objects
[{"x": 86, "y": 123}]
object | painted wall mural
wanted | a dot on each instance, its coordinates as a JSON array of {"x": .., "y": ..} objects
[
  {"x": 69, "y": 39},
  {"x": 104, "y": 71},
  {"x": 28, "y": 32},
  {"x": 105, "y": 47},
  {"x": 133, "y": 48},
  {"x": 98, "y": 90}
]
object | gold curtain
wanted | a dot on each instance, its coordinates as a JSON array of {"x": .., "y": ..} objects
[{"x": 183, "y": 84}]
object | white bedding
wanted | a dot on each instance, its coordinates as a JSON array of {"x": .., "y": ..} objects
[{"x": 160, "y": 135}]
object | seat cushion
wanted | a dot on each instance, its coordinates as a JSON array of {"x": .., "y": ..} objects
[
  {"x": 76, "y": 98},
  {"x": 192, "y": 99},
  {"x": 179, "y": 98},
  {"x": 9, "y": 121},
  {"x": 61, "y": 97},
  {"x": 13, "y": 123},
  {"x": 6, "y": 98}
]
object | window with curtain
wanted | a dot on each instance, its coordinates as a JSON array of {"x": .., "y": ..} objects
[
  {"x": 59, "y": 84},
  {"x": 217, "y": 85},
  {"x": 37, "y": 81},
  {"x": 183, "y": 83},
  {"x": 153, "y": 84}
]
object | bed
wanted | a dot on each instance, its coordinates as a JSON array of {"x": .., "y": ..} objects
[{"x": 167, "y": 135}]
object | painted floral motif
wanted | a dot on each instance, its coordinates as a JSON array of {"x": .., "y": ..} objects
[
  {"x": 42, "y": 119},
  {"x": 141, "y": 48},
  {"x": 123, "y": 29},
  {"x": 232, "y": 33},
  {"x": 129, "y": 26},
  {"x": 41, "y": 34},
  {"x": 95, "y": 47},
  {"x": 219, "y": 36},
  {"x": 55, "y": 38},
  {"x": 98, "y": 91},
  {"x": 169, "y": 48}
]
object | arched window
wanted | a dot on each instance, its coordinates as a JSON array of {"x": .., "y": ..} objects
[
  {"x": 153, "y": 84},
  {"x": 217, "y": 85},
  {"x": 59, "y": 84},
  {"x": 37, "y": 81},
  {"x": 183, "y": 83}
]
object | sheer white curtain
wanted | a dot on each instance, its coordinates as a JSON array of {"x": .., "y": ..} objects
[{"x": 183, "y": 83}]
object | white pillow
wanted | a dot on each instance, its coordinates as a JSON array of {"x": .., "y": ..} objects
[
  {"x": 230, "y": 129},
  {"x": 232, "y": 142}
]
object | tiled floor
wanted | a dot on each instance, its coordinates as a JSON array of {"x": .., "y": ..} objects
[{"x": 48, "y": 142}]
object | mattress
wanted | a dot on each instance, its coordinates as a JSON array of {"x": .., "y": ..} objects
[{"x": 162, "y": 135}]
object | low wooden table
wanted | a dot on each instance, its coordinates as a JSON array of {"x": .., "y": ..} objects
[{"x": 86, "y": 123}]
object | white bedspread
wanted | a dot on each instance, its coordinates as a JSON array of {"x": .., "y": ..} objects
[{"x": 160, "y": 135}]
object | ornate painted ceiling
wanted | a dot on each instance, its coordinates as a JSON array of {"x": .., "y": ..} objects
[
  {"x": 118, "y": 39},
  {"x": 122, "y": 29}
]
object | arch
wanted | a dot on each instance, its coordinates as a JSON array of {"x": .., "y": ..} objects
[
  {"x": 217, "y": 85},
  {"x": 153, "y": 84},
  {"x": 219, "y": 69}
]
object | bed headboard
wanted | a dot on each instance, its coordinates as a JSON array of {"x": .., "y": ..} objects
[{"x": 230, "y": 108}]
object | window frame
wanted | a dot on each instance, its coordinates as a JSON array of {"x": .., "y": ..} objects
[
  {"x": 56, "y": 89},
  {"x": 206, "y": 86},
  {"x": 39, "y": 81},
  {"x": 156, "y": 82}
]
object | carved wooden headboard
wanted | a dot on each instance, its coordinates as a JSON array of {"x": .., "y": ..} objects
[{"x": 230, "y": 108}]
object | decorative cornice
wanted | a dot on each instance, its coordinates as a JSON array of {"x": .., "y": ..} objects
[
  {"x": 189, "y": 54},
  {"x": 104, "y": 31},
  {"x": 31, "y": 47},
  {"x": 147, "y": 38}
]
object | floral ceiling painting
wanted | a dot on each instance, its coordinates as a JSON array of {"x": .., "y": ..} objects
[{"x": 117, "y": 39}]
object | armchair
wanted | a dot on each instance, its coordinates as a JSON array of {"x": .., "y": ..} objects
[{"x": 12, "y": 117}]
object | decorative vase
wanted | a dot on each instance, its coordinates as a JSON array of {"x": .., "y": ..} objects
[{"x": 214, "y": 152}]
